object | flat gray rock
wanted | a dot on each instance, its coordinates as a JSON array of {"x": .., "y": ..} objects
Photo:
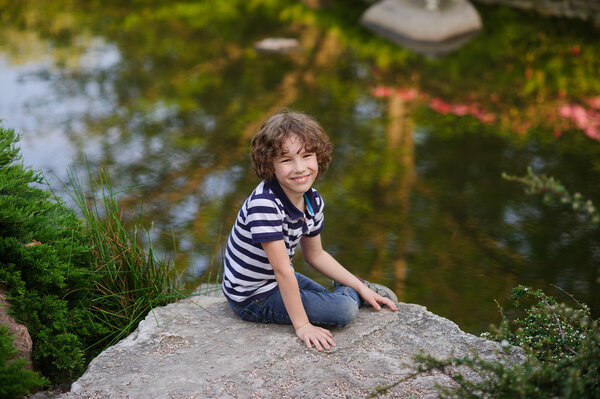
[{"x": 198, "y": 348}]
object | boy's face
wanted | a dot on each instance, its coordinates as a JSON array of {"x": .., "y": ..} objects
[{"x": 295, "y": 168}]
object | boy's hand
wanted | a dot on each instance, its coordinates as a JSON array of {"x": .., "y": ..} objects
[
  {"x": 317, "y": 336},
  {"x": 374, "y": 299}
]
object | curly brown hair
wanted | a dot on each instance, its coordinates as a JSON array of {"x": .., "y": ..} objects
[{"x": 266, "y": 144}]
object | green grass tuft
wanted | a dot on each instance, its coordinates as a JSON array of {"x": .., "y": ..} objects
[{"x": 130, "y": 280}]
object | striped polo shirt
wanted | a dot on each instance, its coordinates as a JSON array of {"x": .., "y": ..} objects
[{"x": 267, "y": 215}]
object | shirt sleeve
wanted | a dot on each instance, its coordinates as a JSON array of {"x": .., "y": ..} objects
[
  {"x": 319, "y": 217},
  {"x": 264, "y": 219}
]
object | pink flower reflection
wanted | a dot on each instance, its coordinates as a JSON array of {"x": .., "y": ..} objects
[
  {"x": 386, "y": 91},
  {"x": 439, "y": 105},
  {"x": 594, "y": 102},
  {"x": 381, "y": 92},
  {"x": 585, "y": 119},
  {"x": 473, "y": 109}
]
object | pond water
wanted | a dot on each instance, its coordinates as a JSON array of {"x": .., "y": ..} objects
[{"x": 167, "y": 96}]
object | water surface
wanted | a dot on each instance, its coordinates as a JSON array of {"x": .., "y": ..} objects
[{"x": 167, "y": 96}]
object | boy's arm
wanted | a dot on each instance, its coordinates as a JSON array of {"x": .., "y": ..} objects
[
  {"x": 321, "y": 260},
  {"x": 288, "y": 286}
]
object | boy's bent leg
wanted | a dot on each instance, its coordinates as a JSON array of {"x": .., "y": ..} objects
[
  {"x": 269, "y": 309},
  {"x": 351, "y": 292},
  {"x": 306, "y": 283},
  {"x": 325, "y": 309},
  {"x": 331, "y": 309}
]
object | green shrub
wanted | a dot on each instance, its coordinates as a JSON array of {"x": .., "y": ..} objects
[
  {"x": 562, "y": 342},
  {"x": 551, "y": 331},
  {"x": 562, "y": 345},
  {"x": 79, "y": 285},
  {"x": 44, "y": 264},
  {"x": 15, "y": 380}
]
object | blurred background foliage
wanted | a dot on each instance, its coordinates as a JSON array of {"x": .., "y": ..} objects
[{"x": 168, "y": 94}]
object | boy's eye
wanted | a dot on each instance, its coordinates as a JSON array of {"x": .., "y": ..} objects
[{"x": 308, "y": 155}]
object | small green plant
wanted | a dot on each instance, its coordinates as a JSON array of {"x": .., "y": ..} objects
[
  {"x": 554, "y": 192},
  {"x": 562, "y": 345},
  {"x": 15, "y": 380},
  {"x": 552, "y": 331},
  {"x": 561, "y": 342}
]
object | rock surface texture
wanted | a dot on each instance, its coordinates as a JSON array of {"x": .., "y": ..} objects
[
  {"x": 198, "y": 348},
  {"x": 21, "y": 338}
]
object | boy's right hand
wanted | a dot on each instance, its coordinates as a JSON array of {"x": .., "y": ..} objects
[{"x": 317, "y": 336}]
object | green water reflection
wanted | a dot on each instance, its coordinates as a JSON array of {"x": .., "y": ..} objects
[{"x": 167, "y": 94}]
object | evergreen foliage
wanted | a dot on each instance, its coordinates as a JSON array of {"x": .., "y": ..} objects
[
  {"x": 15, "y": 380},
  {"x": 44, "y": 264}
]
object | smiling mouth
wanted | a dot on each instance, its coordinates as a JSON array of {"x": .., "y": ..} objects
[{"x": 301, "y": 179}]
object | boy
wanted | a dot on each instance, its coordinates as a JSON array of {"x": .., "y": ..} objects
[{"x": 289, "y": 152}]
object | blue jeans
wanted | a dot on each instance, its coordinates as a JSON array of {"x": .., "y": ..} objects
[{"x": 323, "y": 307}]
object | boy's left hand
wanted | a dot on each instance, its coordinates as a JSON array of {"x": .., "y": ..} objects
[{"x": 374, "y": 299}]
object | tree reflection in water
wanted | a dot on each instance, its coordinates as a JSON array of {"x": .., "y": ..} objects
[{"x": 167, "y": 95}]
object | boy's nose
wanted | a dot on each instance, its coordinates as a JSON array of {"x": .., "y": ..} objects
[{"x": 299, "y": 165}]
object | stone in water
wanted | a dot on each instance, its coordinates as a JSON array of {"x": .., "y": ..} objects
[
  {"x": 427, "y": 27},
  {"x": 277, "y": 45}
]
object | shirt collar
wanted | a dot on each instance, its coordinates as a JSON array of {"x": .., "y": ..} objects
[{"x": 294, "y": 212}]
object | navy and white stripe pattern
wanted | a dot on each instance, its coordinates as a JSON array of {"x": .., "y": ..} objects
[{"x": 267, "y": 215}]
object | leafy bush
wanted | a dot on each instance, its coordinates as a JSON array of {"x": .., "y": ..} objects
[
  {"x": 552, "y": 331},
  {"x": 15, "y": 380},
  {"x": 563, "y": 346},
  {"x": 562, "y": 343},
  {"x": 44, "y": 264},
  {"x": 563, "y": 356}
]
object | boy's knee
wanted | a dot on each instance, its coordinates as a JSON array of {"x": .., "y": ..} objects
[{"x": 347, "y": 312}]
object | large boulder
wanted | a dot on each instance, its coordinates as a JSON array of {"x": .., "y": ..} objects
[{"x": 198, "y": 348}]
